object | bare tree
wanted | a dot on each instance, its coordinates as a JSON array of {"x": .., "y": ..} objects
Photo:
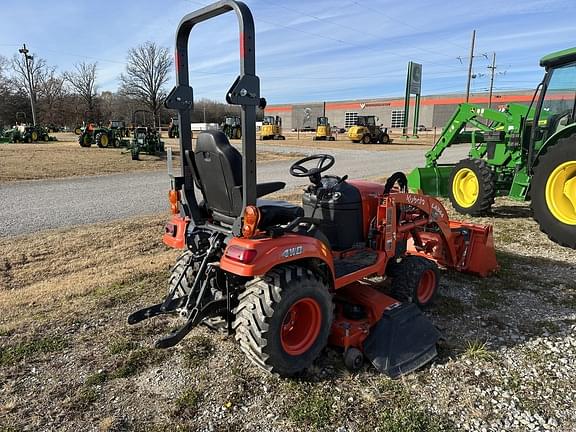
[
  {"x": 146, "y": 74},
  {"x": 51, "y": 94},
  {"x": 83, "y": 82}
]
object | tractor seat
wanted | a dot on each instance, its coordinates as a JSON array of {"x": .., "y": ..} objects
[{"x": 219, "y": 167}]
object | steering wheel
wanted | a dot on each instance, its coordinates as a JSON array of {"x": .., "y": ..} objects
[{"x": 325, "y": 162}]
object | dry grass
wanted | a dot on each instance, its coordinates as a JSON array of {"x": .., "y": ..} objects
[
  {"x": 39, "y": 272},
  {"x": 65, "y": 158}
]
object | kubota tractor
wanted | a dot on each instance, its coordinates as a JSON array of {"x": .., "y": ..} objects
[{"x": 285, "y": 279}]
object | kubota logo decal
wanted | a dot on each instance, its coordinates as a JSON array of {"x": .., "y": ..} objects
[{"x": 293, "y": 251}]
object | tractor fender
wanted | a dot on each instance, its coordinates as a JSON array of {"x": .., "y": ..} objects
[
  {"x": 271, "y": 252},
  {"x": 553, "y": 139}
]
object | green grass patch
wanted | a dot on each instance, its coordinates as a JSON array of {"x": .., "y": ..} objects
[
  {"x": 119, "y": 346},
  {"x": 187, "y": 403},
  {"x": 198, "y": 350},
  {"x": 477, "y": 350},
  {"x": 411, "y": 418},
  {"x": 313, "y": 408},
  {"x": 138, "y": 360},
  {"x": 96, "y": 379},
  {"x": 13, "y": 354}
]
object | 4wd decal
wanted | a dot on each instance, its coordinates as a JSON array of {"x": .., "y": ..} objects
[{"x": 293, "y": 251}]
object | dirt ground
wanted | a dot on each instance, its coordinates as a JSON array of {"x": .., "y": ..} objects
[
  {"x": 69, "y": 361},
  {"x": 65, "y": 158}
]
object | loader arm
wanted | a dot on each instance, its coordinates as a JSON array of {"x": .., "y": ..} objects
[{"x": 508, "y": 120}]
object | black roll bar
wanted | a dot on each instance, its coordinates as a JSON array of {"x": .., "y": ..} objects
[{"x": 245, "y": 91}]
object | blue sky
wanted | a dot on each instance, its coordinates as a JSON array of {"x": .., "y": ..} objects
[{"x": 306, "y": 50}]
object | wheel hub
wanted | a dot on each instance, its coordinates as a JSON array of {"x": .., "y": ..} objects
[
  {"x": 465, "y": 187},
  {"x": 301, "y": 326},
  {"x": 426, "y": 286},
  {"x": 561, "y": 193}
]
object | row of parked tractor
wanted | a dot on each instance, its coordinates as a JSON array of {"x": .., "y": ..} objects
[
  {"x": 145, "y": 135},
  {"x": 365, "y": 130},
  {"x": 22, "y": 132}
]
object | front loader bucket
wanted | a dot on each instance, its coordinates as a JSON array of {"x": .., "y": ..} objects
[
  {"x": 430, "y": 181},
  {"x": 478, "y": 254},
  {"x": 402, "y": 341}
]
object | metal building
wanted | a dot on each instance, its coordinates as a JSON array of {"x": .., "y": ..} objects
[{"x": 435, "y": 110}]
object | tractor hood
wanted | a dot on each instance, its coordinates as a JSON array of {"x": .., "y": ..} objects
[{"x": 558, "y": 58}]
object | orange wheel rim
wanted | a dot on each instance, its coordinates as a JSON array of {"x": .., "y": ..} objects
[
  {"x": 301, "y": 326},
  {"x": 426, "y": 286}
]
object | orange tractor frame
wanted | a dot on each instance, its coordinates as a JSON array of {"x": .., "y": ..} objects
[{"x": 352, "y": 267}]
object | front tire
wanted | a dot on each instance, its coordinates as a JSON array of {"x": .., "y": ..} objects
[
  {"x": 384, "y": 138},
  {"x": 366, "y": 139},
  {"x": 283, "y": 320},
  {"x": 416, "y": 280},
  {"x": 471, "y": 187},
  {"x": 554, "y": 192}
]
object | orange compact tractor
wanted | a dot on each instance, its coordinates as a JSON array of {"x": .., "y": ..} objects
[{"x": 287, "y": 280}]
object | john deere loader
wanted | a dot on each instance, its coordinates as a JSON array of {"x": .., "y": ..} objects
[
  {"x": 367, "y": 132},
  {"x": 524, "y": 152},
  {"x": 271, "y": 128},
  {"x": 323, "y": 130}
]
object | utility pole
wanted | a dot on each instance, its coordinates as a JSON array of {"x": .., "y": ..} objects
[
  {"x": 492, "y": 71},
  {"x": 470, "y": 65},
  {"x": 24, "y": 51}
]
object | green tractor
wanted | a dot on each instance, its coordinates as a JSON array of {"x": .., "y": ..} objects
[
  {"x": 146, "y": 138},
  {"x": 93, "y": 133},
  {"x": 524, "y": 152},
  {"x": 232, "y": 127},
  {"x": 25, "y": 133},
  {"x": 4, "y": 138},
  {"x": 174, "y": 128}
]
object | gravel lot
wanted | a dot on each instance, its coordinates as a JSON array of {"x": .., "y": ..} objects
[{"x": 69, "y": 362}]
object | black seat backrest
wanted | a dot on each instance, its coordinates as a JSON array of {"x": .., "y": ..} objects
[{"x": 220, "y": 169}]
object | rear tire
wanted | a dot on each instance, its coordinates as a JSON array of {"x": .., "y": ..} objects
[
  {"x": 384, "y": 138},
  {"x": 471, "y": 187},
  {"x": 102, "y": 140},
  {"x": 283, "y": 319},
  {"x": 416, "y": 280},
  {"x": 553, "y": 198}
]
